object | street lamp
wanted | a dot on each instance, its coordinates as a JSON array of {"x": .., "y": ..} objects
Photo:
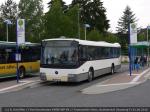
[
  {"x": 86, "y": 26},
  {"x": 8, "y": 22}
]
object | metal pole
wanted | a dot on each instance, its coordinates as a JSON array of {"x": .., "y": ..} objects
[
  {"x": 85, "y": 32},
  {"x": 7, "y": 32},
  {"x": 148, "y": 47},
  {"x": 17, "y": 52},
  {"x": 78, "y": 21},
  {"x": 17, "y": 58},
  {"x": 130, "y": 69}
]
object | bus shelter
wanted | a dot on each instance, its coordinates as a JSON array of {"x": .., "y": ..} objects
[{"x": 139, "y": 52}]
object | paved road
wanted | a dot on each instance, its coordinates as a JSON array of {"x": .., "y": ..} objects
[{"x": 68, "y": 94}]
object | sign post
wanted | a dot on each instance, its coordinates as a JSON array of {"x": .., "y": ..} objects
[
  {"x": 133, "y": 33},
  {"x": 148, "y": 27},
  {"x": 20, "y": 40},
  {"x": 20, "y": 31},
  {"x": 132, "y": 40}
]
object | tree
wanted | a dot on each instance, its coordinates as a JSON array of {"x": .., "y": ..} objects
[
  {"x": 142, "y": 34},
  {"x": 122, "y": 28},
  {"x": 93, "y": 13},
  {"x": 9, "y": 11},
  {"x": 72, "y": 13},
  {"x": 123, "y": 23},
  {"x": 97, "y": 17},
  {"x": 2, "y": 32},
  {"x": 58, "y": 23},
  {"x": 63, "y": 5},
  {"x": 94, "y": 35},
  {"x": 32, "y": 12},
  {"x": 110, "y": 37}
]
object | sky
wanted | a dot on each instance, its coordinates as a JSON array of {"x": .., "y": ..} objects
[{"x": 115, "y": 10}]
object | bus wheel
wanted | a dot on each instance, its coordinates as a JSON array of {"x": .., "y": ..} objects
[
  {"x": 112, "y": 69},
  {"x": 90, "y": 75},
  {"x": 21, "y": 72}
]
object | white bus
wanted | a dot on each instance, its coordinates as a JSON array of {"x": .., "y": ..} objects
[{"x": 74, "y": 60}]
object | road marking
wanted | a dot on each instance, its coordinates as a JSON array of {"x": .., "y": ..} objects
[
  {"x": 116, "y": 84},
  {"x": 133, "y": 74},
  {"x": 139, "y": 76},
  {"x": 18, "y": 85},
  {"x": 148, "y": 75},
  {"x": 134, "y": 81},
  {"x": 11, "y": 87}
]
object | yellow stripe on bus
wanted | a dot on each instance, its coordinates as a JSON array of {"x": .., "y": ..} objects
[{"x": 11, "y": 68}]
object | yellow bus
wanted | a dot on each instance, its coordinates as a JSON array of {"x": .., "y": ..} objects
[{"x": 29, "y": 62}]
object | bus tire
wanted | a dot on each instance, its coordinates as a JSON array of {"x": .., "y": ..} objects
[
  {"x": 112, "y": 69},
  {"x": 90, "y": 75},
  {"x": 21, "y": 72}
]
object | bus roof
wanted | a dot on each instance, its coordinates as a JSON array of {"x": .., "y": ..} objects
[{"x": 86, "y": 42}]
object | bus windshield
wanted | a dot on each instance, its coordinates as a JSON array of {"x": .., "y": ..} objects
[{"x": 57, "y": 54}]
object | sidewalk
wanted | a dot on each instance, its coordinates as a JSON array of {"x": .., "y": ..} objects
[
  {"x": 119, "y": 82},
  {"x": 10, "y": 86}
]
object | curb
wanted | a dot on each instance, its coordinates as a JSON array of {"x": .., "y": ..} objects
[
  {"x": 101, "y": 88},
  {"x": 112, "y": 88}
]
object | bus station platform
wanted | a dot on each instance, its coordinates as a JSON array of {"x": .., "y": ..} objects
[{"x": 119, "y": 82}]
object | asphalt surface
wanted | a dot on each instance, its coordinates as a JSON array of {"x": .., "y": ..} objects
[{"x": 69, "y": 95}]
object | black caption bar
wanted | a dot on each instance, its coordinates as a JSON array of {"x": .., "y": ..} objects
[{"x": 75, "y": 109}]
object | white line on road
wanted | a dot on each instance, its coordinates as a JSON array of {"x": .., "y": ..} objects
[
  {"x": 11, "y": 87},
  {"x": 148, "y": 75},
  {"x": 116, "y": 84},
  {"x": 134, "y": 74},
  {"x": 139, "y": 76},
  {"x": 15, "y": 86}
]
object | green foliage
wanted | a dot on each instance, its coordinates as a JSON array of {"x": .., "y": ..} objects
[
  {"x": 123, "y": 23},
  {"x": 93, "y": 13},
  {"x": 109, "y": 37},
  {"x": 72, "y": 14},
  {"x": 142, "y": 34},
  {"x": 2, "y": 31},
  {"x": 142, "y": 37},
  {"x": 59, "y": 23},
  {"x": 122, "y": 28},
  {"x": 32, "y": 12},
  {"x": 94, "y": 35},
  {"x": 54, "y": 20},
  {"x": 60, "y": 20},
  {"x": 8, "y": 11},
  {"x": 63, "y": 4}
]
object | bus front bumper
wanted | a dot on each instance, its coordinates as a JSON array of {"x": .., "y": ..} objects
[{"x": 68, "y": 78}]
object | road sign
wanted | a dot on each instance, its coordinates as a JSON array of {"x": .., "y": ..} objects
[
  {"x": 133, "y": 33},
  {"x": 20, "y": 31}
]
